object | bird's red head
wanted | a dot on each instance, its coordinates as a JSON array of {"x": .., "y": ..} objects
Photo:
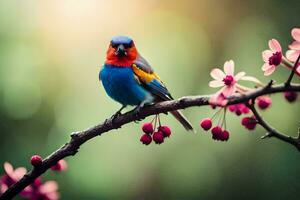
[{"x": 121, "y": 52}]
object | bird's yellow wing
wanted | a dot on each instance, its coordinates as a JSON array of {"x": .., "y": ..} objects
[{"x": 150, "y": 80}]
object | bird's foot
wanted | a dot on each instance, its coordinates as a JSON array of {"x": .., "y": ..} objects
[
  {"x": 137, "y": 113},
  {"x": 117, "y": 114},
  {"x": 114, "y": 116}
]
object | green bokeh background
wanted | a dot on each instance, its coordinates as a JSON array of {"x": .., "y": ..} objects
[{"x": 50, "y": 56}]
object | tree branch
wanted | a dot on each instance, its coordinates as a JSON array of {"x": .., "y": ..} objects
[
  {"x": 79, "y": 138},
  {"x": 294, "y": 70},
  {"x": 272, "y": 132}
]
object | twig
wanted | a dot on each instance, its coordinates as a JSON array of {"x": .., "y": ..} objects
[
  {"x": 272, "y": 132},
  {"x": 79, "y": 138},
  {"x": 288, "y": 82},
  {"x": 289, "y": 65}
]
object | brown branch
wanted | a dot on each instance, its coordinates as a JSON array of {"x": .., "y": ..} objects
[
  {"x": 79, "y": 138},
  {"x": 289, "y": 65},
  {"x": 272, "y": 132},
  {"x": 294, "y": 70}
]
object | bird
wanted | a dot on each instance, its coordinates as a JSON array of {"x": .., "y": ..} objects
[{"x": 130, "y": 80}]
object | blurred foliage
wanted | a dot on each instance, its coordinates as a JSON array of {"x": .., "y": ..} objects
[{"x": 50, "y": 56}]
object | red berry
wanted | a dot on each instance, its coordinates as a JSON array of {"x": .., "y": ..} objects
[
  {"x": 158, "y": 137},
  {"x": 224, "y": 135},
  {"x": 60, "y": 166},
  {"x": 264, "y": 102},
  {"x": 290, "y": 96},
  {"x": 146, "y": 139},
  {"x": 165, "y": 130},
  {"x": 238, "y": 112},
  {"x": 216, "y": 132},
  {"x": 36, "y": 160},
  {"x": 249, "y": 122},
  {"x": 147, "y": 128},
  {"x": 206, "y": 123},
  {"x": 239, "y": 109}
]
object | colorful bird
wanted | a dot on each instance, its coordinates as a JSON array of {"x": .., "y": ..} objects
[{"x": 129, "y": 79}]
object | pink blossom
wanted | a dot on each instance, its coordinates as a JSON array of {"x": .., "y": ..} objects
[
  {"x": 272, "y": 57},
  {"x": 293, "y": 54},
  {"x": 61, "y": 165},
  {"x": 218, "y": 99},
  {"x": 228, "y": 81},
  {"x": 294, "y": 51},
  {"x": 43, "y": 191},
  {"x": 35, "y": 191},
  {"x": 11, "y": 177}
]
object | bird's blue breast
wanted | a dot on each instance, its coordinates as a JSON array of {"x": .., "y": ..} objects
[{"x": 120, "y": 84}]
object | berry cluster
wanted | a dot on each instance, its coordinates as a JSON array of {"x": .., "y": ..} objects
[
  {"x": 218, "y": 133},
  {"x": 222, "y": 134},
  {"x": 157, "y": 136}
]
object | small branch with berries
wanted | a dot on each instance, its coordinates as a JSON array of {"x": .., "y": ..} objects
[{"x": 79, "y": 138}]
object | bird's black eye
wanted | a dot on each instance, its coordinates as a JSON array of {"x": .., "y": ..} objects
[{"x": 114, "y": 45}]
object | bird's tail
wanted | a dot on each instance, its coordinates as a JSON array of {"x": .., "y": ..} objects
[{"x": 181, "y": 118}]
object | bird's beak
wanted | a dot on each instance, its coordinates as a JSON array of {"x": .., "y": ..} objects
[{"x": 121, "y": 51}]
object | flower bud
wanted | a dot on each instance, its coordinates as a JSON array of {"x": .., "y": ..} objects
[{"x": 36, "y": 160}]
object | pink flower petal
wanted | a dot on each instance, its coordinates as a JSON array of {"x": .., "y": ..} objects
[
  {"x": 63, "y": 165},
  {"x": 266, "y": 66},
  {"x": 229, "y": 90},
  {"x": 217, "y": 74},
  {"x": 239, "y": 75},
  {"x": 8, "y": 168},
  {"x": 250, "y": 78},
  {"x": 229, "y": 67},
  {"x": 216, "y": 83},
  {"x": 270, "y": 71},
  {"x": 3, "y": 188},
  {"x": 295, "y": 45},
  {"x": 218, "y": 99},
  {"x": 49, "y": 186},
  {"x": 19, "y": 173},
  {"x": 292, "y": 55},
  {"x": 266, "y": 55},
  {"x": 53, "y": 196},
  {"x": 274, "y": 45},
  {"x": 296, "y": 34}
]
